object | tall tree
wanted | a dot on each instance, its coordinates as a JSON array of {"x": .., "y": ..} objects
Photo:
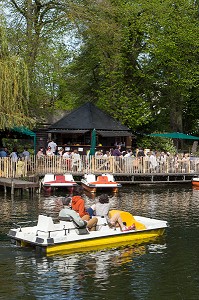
[
  {"x": 172, "y": 57},
  {"x": 14, "y": 87},
  {"x": 138, "y": 60},
  {"x": 146, "y": 57},
  {"x": 112, "y": 65},
  {"x": 36, "y": 27}
]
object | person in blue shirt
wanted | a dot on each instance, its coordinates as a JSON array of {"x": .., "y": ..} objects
[{"x": 3, "y": 153}]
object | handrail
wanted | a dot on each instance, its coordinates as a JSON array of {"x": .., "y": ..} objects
[{"x": 97, "y": 165}]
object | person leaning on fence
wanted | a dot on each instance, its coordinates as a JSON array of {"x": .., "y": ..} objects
[
  {"x": 41, "y": 153},
  {"x": 49, "y": 151},
  {"x": 3, "y": 153},
  {"x": 128, "y": 153},
  {"x": 26, "y": 154},
  {"x": 140, "y": 152},
  {"x": 116, "y": 151},
  {"x": 76, "y": 161},
  {"x": 128, "y": 160},
  {"x": 60, "y": 151},
  {"x": 14, "y": 158},
  {"x": 14, "y": 155},
  {"x": 53, "y": 146},
  {"x": 67, "y": 212},
  {"x": 153, "y": 162}
]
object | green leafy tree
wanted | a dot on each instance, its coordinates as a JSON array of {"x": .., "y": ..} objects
[
  {"x": 14, "y": 87},
  {"x": 138, "y": 60},
  {"x": 113, "y": 71},
  {"x": 146, "y": 58},
  {"x": 172, "y": 49},
  {"x": 36, "y": 31}
]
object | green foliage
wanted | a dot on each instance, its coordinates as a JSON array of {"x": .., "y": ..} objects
[
  {"x": 112, "y": 75},
  {"x": 136, "y": 60},
  {"x": 19, "y": 144},
  {"x": 14, "y": 87},
  {"x": 37, "y": 30},
  {"x": 145, "y": 58},
  {"x": 172, "y": 49},
  {"x": 156, "y": 143}
]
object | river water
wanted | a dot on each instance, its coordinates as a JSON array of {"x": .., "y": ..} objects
[{"x": 166, "y": 269}]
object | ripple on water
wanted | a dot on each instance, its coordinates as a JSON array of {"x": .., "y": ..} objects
[{"x": 166, "y": 269}]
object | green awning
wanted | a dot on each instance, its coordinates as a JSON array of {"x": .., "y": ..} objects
[
  {"x": 26, "y": 131},
  {"x": 175, "y": 135}
]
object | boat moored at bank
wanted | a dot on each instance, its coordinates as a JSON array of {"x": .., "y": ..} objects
[
  {"x": 55, "y": 181},
  {"x": 92, "y": 183},
  {"x": 195, "y": 181}
]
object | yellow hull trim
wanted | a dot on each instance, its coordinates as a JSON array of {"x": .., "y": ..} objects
[{"x": 103, "y": 242}]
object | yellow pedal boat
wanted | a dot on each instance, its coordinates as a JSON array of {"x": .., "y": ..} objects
[{"x": 53, "y": 238}]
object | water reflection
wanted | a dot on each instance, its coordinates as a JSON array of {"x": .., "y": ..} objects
[
  {"x": 166, "y": 269},
  {"x": 78, "y": 273}
]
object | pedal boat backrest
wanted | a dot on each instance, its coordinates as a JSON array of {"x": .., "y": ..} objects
[
  {"x": 69, "y": 177},
  {"x": 90, "y": 178},
  {"x": 128, "y": 219},
  {"x": 49, "y": 177},
  {"x": 59, "y": 178},
  {"x": 109, "y": 176},
  {"x": 102, "y": 179},
  {"x": 71, "y": 224},
  {"x": 45, "y": 224}
]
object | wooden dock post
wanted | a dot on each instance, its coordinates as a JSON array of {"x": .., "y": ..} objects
[
  {"x": 12, "y": 186},
  {"x": 5, "y": 189}
]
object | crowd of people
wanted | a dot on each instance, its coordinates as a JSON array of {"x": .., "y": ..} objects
[
  {"x": 128, "y": 160},
  {"x": 14, "y": 154},
  {"x": 152, "y": 160},
  {"x": 18, "y": 160}
]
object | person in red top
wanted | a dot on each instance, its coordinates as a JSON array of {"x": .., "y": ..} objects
[{"x": 78, "y": 204}]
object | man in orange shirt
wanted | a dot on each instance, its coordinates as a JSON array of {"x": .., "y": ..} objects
[
  {"x": 78, "y": 204},
  {"x": 68, "y": 212}
]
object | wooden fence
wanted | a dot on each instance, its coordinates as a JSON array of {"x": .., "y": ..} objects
[{"x": 115, "y": 165}]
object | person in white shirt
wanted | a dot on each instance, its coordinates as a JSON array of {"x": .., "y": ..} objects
[
  {"x": 102, "y": 207},
  {"x": 53, "y": 146},
  {"x": 76, "y": 161},
  {"x": 153, "y": 161},
  {"x": 49, "y": 151}
]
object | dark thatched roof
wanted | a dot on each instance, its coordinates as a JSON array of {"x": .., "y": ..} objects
[{"x": 88, "y": 117}]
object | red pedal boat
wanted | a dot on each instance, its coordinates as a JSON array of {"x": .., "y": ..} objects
[
  {"x": 195, "y": 181},
  {"x": 51, "y": 180},
  {"x": 104, "y": 181}
]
